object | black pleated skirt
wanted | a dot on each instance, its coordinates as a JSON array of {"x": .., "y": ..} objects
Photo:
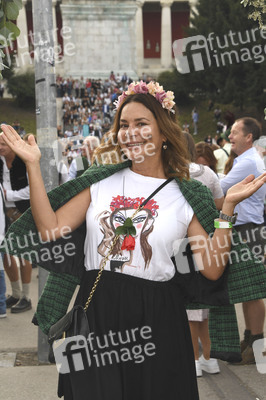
[{"x": 139, "y": 347}]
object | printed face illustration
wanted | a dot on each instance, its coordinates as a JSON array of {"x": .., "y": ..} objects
[{"x": 141, "y": 221}]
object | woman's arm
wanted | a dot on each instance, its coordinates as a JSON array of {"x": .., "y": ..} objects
[
  {"x": 71, "y": 215},
  {"x": 212, "y": 254}
]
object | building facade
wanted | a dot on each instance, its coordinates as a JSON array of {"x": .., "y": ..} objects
[{"x": 94, "y": 37}]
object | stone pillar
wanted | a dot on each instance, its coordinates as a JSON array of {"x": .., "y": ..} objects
[
  {"x": 99, "y": 37},
  {"x": 139, "y": 36},
  {"x": 22, "y": 58},
  {"x": 166, "y": 34}
]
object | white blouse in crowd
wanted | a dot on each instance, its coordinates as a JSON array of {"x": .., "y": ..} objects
[{"x": 205, "y": 175}]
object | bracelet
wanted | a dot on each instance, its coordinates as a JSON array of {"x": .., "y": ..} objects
[
  {"x": 222, "y": 224},
  {"x": 228, "y": 218}
]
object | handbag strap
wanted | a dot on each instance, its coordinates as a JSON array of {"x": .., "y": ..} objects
[
  {"x": 156, "y": 191},
  {"x": 115, "y": 241},
  {"x": 225, "y": 152}
]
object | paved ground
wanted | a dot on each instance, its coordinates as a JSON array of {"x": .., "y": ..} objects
[{"x": 22, "y": 378}]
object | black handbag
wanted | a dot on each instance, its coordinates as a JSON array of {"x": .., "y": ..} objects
[{"x": 75, "y": 322}]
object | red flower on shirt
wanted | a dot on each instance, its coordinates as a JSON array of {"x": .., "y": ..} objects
[{"x": 128, "y": 243}]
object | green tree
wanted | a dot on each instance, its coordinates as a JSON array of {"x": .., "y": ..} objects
[
  {"x": 236, "y": 70},
  {"x": 22, "y": 87},
  {"x": 171, "y": 80},
  {"x": 9, "y": 10},
  {"x": 257, "y": 10}
]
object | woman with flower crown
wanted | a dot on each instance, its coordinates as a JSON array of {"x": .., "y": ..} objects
[{"x": 139, "y": 346}]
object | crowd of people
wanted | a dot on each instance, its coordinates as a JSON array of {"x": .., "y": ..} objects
[{"x": 116, "y": 195}]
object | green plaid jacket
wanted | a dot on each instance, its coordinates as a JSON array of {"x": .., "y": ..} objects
[{"x": 244, "y": 279}]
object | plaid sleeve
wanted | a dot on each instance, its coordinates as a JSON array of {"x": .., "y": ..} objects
[
  {"x": 55, "y": 299},
  {"x": 223, "y": 329}
]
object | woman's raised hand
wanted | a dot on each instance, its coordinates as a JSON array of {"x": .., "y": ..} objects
[
  {"x": 245, "y": 188},
  {"x": 28, "y": 152}
]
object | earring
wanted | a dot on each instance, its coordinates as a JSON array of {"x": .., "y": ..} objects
[{"x": 165, "y": 146}]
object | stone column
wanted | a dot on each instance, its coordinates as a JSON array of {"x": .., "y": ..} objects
[
  {"x": 139, "y": 36},
  {"x": 22, "y": 59},
  {"x": 166, "y": 34},
  {"x": 99, "y": 37}
]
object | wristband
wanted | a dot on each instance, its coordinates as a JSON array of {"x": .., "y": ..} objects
[{"x": 222, "y": 224}]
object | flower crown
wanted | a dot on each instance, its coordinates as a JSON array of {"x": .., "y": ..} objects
[
  {"x": 128, "y": 202},
  {"x": 153, "y": 88}
]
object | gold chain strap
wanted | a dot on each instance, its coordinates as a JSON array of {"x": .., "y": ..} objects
[{"x": 104, "y": 264}]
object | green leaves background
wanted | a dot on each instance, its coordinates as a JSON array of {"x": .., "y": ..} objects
[
  {"x": 9, "y": 10},
  {"x": 257, "y": 9}
]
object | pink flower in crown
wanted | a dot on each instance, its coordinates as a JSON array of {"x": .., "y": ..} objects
[
  {"x": 152, "y": 88},
  {"x": 168, "y": 104},
  {"x": 141, "y": 87},
  {"x": 160, "y": 96},
  {"x": 122, "y": 97},
  {"x": 131, "y": 88},
  {"x": 159, "y": 89},
  {"x": 120, "y": 100},
  {"x": 170, "y": 95}
]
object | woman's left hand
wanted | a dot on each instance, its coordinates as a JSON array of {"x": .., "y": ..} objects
[{"x": 245, "y": 188}]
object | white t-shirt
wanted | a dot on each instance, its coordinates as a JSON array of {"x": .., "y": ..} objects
[
  {"x": 163, "y": 221},
  {"x": 222, "y": 156},
  {"x": 205, "y": 175}
]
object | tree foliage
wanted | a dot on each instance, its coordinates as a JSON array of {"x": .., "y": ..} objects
[
  {"x": 171, "y": 80},
  {"x": 9, "y": 10},
  {"x": 235, "y": 71},
  {"x": 257, "y": 11},
  {"x": 22, "y": 87}
]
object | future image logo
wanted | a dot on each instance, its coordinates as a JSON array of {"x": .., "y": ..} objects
[
  {"x": 71, "y": 354},
  {"x": 188, "y": 52},
  {"x": 77, "y": 353},
  {"x": 197, "y": 53}
]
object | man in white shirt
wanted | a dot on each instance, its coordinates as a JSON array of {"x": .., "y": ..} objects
[
  {"x": 14, "y": 180},
  {"x": 250, "y": 219},
  {"x": 223, "y": 153}
]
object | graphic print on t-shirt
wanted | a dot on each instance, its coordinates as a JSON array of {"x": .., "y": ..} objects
[{"x": 122, "y": 208}]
